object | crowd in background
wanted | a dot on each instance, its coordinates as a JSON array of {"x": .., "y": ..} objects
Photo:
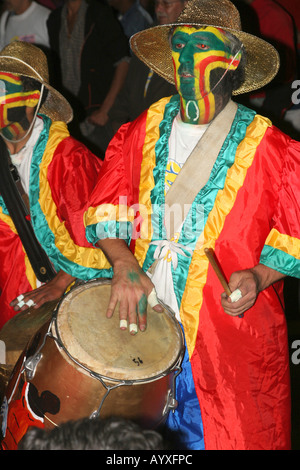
[{"x": 84, "y": 38}]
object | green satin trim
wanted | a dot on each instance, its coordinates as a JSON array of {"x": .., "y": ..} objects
[
  {"x": 42, "y": 230},
  {"x": 36, "y": 159},
  {"x": 109, "y": 229},
  {"x": 157, "y": 193},
  {"x": 280, "y": 261},
  {"x": 4, "y": 208},
  {"x": 205, "y": 199}
]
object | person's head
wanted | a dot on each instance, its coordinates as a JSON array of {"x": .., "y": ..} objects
[
  {"x": 121, "y": 5},
  {"x": 205, "y": 62},
  {"x": 207, "y": 56},
  {"x": 24, "y": 90},
  {"x": 17, "y": 6},
  {"x": 93, "y": 434},
  {"x": 167, "y": 11},
  {"x": 19, "y": 97}
]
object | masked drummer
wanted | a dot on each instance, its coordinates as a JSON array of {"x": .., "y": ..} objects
[
  {"x": 233, "y": 391},
  {"x": 56, "y": 176}
]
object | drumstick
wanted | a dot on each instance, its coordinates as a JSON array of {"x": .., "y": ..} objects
[{"x": 210, "y": 255}]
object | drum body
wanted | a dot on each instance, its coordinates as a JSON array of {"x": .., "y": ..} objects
[
  {"x": 15, "y": 335},
  {"x": 80, "y": 364}
]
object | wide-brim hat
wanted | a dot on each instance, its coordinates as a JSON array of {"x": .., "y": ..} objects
[
  {"x": 152, "y": 45},
  {"x": 23, "y": 58}
]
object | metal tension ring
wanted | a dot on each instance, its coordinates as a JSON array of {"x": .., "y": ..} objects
[
  {"x": 171, "y": 403},
  {"x": 31, "y": 365}
]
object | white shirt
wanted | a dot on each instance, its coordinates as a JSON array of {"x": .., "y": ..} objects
[
  {"x": 30, "y": 26},
  {"x": 182, "y": 141},
  {"x": 22, "y": 159}
]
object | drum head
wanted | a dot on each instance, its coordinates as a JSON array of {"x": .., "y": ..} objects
[{"x": 98, "y": 344}]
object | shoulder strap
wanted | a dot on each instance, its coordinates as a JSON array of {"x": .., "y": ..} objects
[
  {"x": 18, "y": 183},
  {"x": 17, "y": 210}
]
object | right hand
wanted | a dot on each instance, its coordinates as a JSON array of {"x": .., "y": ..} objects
[{"x": 52, "y": 290}]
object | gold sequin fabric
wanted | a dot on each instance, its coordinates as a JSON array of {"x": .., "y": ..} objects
[
  {"x": 152, "y": 45},
  {"x": 22, "y": 58}
]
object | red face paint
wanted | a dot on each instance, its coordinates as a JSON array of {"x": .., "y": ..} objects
[
  {"x": 13, "y": 102},
  {"x": 195, "y": 53}
]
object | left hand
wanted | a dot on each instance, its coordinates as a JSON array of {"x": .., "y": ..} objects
[
  {"x": 248, "y": 283},
  {"x": 53, "y": 290}
]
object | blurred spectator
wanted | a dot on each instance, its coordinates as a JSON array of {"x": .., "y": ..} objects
[
  {"x": 167, "y": 11},
  {"x": 93, "y": 434},
  {"x": 292, "y": 116},
  {"x": 149, "y": 6},
  {"x": 24, "y": 20},
  {"x": 142, "y": 87},
  {"x": 92, "y": 54},
  {"x": 292, "y": 6},
  {"x": 51, "y": 4},
  {"x": 275, "y": 25},
  {"x": 132, "y": 16}
]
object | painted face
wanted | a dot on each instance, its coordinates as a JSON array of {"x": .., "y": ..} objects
[
  {"x": 196, "y": 53},
  {"x": 13, "y": 102}
]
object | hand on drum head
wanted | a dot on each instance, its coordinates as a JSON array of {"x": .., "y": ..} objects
[
  {"x": 131, "y": 288},
  {"x": 53, "y": 290}
]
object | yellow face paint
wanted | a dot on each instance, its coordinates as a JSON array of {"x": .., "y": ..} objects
[
  {"x": 13, "y": 101},
  {"x": 195, "y": 54}
]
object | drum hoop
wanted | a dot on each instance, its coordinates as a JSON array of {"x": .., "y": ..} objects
[{"x": 100, "y": 377}]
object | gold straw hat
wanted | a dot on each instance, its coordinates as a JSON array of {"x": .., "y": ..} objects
[
  {"x": 23, "y": 58},
  {"x": 152, "y": 45}
]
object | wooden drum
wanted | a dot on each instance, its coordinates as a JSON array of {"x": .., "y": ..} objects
[
  {"x": 15, "y": 335},
  {"x": 80, "y": 364}
]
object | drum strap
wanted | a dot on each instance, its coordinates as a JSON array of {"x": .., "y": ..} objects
[
  {"x": 19, "y": 212},
  {"x": 20, "y": 188},
  {"x": 196, "y": 171}
]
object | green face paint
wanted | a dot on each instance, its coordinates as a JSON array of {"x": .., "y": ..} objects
[
  {"x": 143, "y": 305},
  {"x": 195, "y": 53},
  {"x": 13, "y": 103}
]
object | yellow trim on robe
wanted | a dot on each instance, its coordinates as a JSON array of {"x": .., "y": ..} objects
[
  {"x": 31, "y": 277},
  {"x": 154, "y": 117},
  {"x": 193, "y": 294},
  {"x": 284, "y": 243},
  {"x": 108, "y": 212},
  {"x": 84, "y": 256}
]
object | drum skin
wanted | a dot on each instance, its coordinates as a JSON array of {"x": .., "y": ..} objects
[{"x": 84, "y": 371}]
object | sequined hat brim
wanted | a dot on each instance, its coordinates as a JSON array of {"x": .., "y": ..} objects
[
  {"x": 152, "y": 45},
  {"x": 25, "y": 59}
]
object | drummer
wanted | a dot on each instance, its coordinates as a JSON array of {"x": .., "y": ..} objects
[
  {"x": 233, "y": 390},
  {"x": 55, "y": 174}
]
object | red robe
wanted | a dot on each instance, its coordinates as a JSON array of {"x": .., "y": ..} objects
[
  {"x": 63, "y": 175},
  {"x": 234, "y": 390}
]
